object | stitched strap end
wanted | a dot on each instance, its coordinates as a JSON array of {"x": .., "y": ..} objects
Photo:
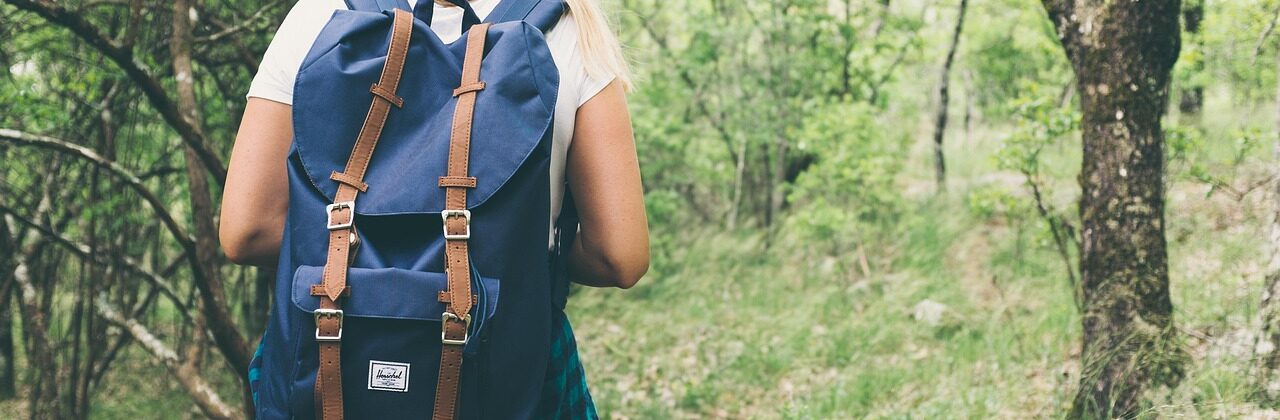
[
  {"x": 318, "y": 290},
  {"x": 458, "y": 181},
  {"x": 384, "y": 93},
  {"x": 473, "y": 87},
  {"x": 349, "y": 180}
]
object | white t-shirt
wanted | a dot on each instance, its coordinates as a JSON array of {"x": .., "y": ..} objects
[{"x": 293, "y": 40}]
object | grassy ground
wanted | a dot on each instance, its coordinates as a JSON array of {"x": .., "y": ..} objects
[{"x": 965, "y": 313}]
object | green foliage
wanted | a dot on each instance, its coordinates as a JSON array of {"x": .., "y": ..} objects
[
  {"x": 851, "y": 186},
  {"x": 991, "y": 203},
  {"x": 1232, "y": 46},
  {"x": 1010, "y": 46},
  {"x": 1040, "y": 121},
  {"x": 730, "y": 89}
]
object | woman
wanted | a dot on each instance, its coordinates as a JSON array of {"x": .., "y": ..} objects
[{"x": 591, "y": 142}]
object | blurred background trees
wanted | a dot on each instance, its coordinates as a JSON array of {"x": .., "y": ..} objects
[{"x": 818, "y": 263}]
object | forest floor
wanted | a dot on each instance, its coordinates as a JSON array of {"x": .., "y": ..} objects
[{"x": 969, "y": 314}]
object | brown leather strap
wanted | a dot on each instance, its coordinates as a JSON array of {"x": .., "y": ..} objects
[
  {"x": 456, "y": 320},
  {"x": 341, "y": 218},
  {"x": 458, "y": 181},
  {"x": 349, "y": 180}
]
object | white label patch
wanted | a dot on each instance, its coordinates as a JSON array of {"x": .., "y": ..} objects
[{"x": 388, "y": 376}]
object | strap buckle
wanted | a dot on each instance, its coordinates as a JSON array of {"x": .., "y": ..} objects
[
  {"x": 328, "y": 313},
  {"x": 444, "y": 320},
  {"x": 341, "y": 205},
  {"x": 465, "y": 214}
]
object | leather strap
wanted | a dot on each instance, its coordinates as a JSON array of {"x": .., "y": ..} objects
[
  {"x": 341, "y": 218},
  {"x": 456, "y": 321}
]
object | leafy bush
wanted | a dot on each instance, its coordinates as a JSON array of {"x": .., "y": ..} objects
[{"x": 851, "y": 186}]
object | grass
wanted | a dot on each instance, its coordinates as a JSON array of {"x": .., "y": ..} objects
[
  {"x": 735, "y": 331},
  {"x": 726, "y": 327}
]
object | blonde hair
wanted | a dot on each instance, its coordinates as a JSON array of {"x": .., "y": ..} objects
[{"x": 601, "y": 51}]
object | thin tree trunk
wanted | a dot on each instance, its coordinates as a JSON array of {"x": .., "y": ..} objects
[
  {"x": 1192, "y": 97},
  {"x": 202, "y": 207},
  {"x": 42, "y": 370},
  {"x": 1122, "y": 53},
  {"x": 944, "y": 87},
  {"x": 44, "y": 392},
  {"x": 8, "y": 388}
]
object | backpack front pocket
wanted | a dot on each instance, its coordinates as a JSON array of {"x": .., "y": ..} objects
[
  {"x": 390, "y": 335},
  {"x": 387, "y": 294}
]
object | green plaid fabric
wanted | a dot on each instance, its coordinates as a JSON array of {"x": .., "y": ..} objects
[{"x": 564, "y": 391}]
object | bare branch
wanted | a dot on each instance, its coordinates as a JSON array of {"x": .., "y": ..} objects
[
  {"x": 1266, "y": 33},
  {"x": 82, "y": 251},
  {"x": 237, "y": 28},
  {"x": 221, "y": 324},
  {"x": 125, "y": 175},
  {"x": 687, "y": 78},
  {"x": 137, "y": 71}
]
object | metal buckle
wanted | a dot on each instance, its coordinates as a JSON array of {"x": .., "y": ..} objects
[
  {"x": 329, "y": 209},
  {"x": 466, "y": 335},
  {"x": 323, "y": 313},
  {"x": 444, "y": 217}
]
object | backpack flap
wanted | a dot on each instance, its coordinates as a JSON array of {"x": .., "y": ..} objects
[{"x": 512, "y": 114}]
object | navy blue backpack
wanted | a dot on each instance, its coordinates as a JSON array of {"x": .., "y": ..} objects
[{"x": 414, "y": 274}]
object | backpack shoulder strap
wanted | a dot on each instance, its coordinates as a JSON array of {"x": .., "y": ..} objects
[
  {"x": 341, "y": 222},
  {"x": 542, "y": 14},
  {"x": 377, "y": 6}
]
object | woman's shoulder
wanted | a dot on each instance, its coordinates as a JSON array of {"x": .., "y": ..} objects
[{"x": 311, "y": 11}]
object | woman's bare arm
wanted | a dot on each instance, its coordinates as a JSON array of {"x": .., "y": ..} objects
[
  {"x": 257, "y": 194},
  {"x": 612, "y": 248}
]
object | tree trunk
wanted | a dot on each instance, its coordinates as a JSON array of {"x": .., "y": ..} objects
[
  {"x": 213, "y": 297},
  {"x": 1192, "y": 97},
  {"x": 7, "y": 381},
  {"x": 43, "y": 399},
  {"x": 940, "y": 121},
  {"x": 1122, "y": 53}
]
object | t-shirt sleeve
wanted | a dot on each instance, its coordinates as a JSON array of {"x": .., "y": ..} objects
[
  {"x": 292, "y": 41},
  {"x": 592, "y": 85},
  {"x": 563, "y": 40}
]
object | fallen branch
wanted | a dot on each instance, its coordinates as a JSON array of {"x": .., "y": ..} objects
[{"x": 187, "y": 375}]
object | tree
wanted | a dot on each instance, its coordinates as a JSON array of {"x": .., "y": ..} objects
[
  {"x": 940, "y": 121},
  {"x": 1122, "y": 54},
  {"x": 115, "y": 146},
  {"x": 1191, "y": 98}
]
